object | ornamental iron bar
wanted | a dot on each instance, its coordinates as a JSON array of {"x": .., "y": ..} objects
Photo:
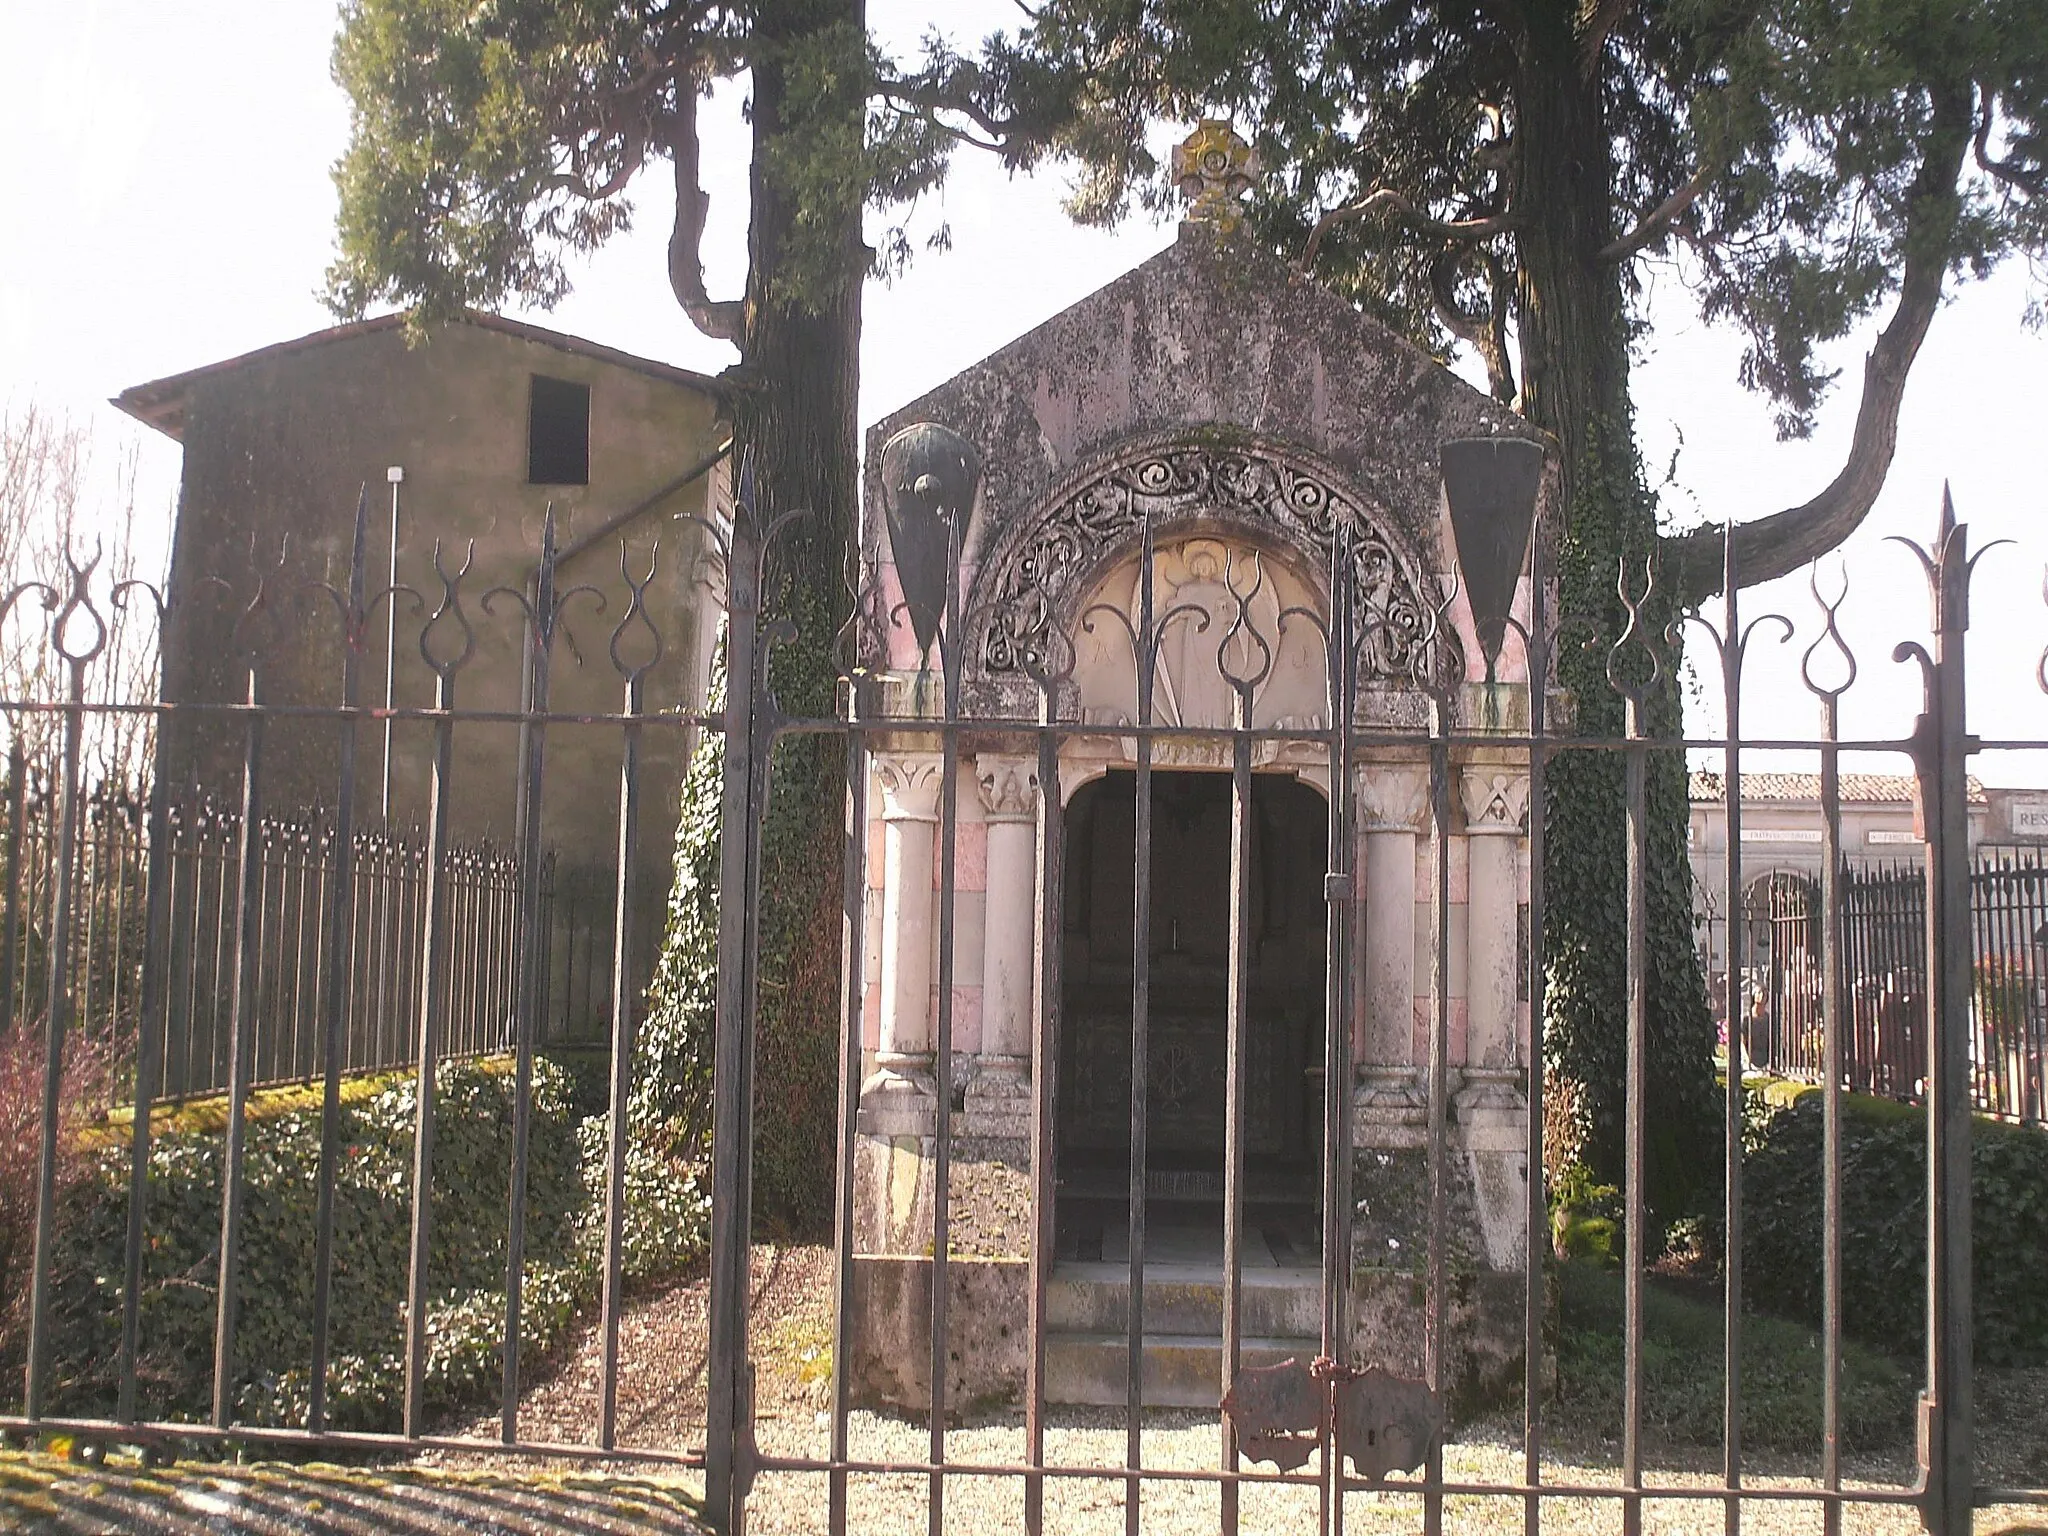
[
  {"x": 300, "y": 864},
  {"x": 1879, "y": 981},
  {"x": 1883, "y": 976}
]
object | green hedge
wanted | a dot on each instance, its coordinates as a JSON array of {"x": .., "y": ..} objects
[
  {"x": 1884, "y": 1224},
  {"x": 666, "y": 1223}
]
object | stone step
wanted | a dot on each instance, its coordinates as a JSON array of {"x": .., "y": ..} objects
[
  {"x": 1182, "y": 1370},
  {"x": 1184, "y": 1298}
]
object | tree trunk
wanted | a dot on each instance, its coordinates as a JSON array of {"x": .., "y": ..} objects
[
  {"x": 1574, "y": 354},
  {"x": 798, "y": 417},
  {"x": 795, "y": 420}
]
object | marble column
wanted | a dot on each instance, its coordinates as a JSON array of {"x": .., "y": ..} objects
[
  {"x": 1490, "y": 1108},
  {"x": 1496, "y": 797},
  {"x": 999, "y": 1097},
  {"x": 1393, "y": 808},
  {"x": 910, "y": 819}
]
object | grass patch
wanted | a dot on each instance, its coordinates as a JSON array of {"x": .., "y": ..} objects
[{"x": 1682, "y": 1379}]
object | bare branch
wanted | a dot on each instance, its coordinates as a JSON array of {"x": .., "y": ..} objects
[
  {"x": 1468, "y": 230},
  {"x": 722, "y": 320},
  {"x": 1660, "y": 218},
  {"x": 957, "y": 135},
  {"x": 1785, "y": 541},
  {"x": 924, "y": 100}
]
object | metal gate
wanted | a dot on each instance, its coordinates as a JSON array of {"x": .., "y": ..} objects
[{"x": 1331, "y": 1428}]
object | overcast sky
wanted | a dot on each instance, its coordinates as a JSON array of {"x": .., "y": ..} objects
[{"x": 168, "y": 204}]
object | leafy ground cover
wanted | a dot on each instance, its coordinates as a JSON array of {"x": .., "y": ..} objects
[{"x": 1682, "y": 1374}]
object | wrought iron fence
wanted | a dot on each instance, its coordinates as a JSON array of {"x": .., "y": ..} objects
[
  {"x": 295, "y": 873},
  {"x": 1884, "y": 980},
  {"x": 1427, "y": 758}
]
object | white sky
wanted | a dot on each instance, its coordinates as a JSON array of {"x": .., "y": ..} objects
[{"x": 168, "y": 204}]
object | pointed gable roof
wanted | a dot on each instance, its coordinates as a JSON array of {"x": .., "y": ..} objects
[{"x": 1214, "y": 336}]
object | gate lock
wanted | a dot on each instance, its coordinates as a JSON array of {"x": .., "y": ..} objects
[{"x": 1382, "y": 1422}]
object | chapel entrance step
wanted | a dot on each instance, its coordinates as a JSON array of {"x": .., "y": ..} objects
[
  {"x": 1087, "y": 1313},
  {"x": 1182, "y": 1370},
  {"x": 1184, "y": 1298}
]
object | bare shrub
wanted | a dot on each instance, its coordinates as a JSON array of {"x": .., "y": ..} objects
[
  {"x": 61, "y": 499},
  {"x": 83, "y": 1093}
]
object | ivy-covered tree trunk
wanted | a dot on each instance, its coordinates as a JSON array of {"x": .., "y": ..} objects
[
  {"x": 798, "y": 417},
  {"x": 795, "y": 419},
  {"x": 1574, "y": 354}
]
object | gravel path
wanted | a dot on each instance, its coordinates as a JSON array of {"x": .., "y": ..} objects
[
  {"x": 661, "y": 1406},
  {"x": 884, "y": 1505}
]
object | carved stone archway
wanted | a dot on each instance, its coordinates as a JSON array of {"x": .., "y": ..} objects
[{"x": 1035, "y": 573}]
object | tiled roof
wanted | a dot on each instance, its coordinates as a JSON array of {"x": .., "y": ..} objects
[
  {"x": 1857, "y": 788},
  {"x": 161, "y": 402}
]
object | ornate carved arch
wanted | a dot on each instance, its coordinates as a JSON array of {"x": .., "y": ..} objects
[{"x": 1037, "y": 571}]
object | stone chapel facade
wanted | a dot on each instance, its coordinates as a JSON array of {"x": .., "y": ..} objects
[{"x": 1231, "y": 411}]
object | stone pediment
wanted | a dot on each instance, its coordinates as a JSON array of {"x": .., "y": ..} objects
[
  {"x": 1215, "y": 333},
  {"x": 1210, "y": 391}
]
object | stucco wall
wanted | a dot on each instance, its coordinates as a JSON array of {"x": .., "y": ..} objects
[{"x": 275, "y": 451}]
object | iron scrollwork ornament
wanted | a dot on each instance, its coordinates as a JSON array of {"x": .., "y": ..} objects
[{"x": 1245, "y": 484}]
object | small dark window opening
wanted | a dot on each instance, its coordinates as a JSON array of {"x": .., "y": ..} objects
[{"x": 558, "y": 432}]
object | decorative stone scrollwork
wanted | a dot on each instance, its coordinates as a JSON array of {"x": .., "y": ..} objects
[
  {"x": 910, "y": 786},
  {"x": 1393, "y": 797},
  {"x": 1495, "y": 798},
  {"x": 1037, "y": 573},
  {"x": 1008, "y": 785},
  {"x": 1214, "y": 168}
]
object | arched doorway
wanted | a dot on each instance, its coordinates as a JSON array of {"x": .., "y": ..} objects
[{"x": 1188, "y": 953}]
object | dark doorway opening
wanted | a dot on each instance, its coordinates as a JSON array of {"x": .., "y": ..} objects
[{"x": 1189, "y": 959}]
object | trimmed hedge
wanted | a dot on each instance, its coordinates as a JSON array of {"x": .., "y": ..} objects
[
  {"x": 1884, "y": 1224},
  {"x": 666, "y": 1224}
]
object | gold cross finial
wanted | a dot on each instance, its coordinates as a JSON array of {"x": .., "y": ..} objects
[{"x": 1214, "y": 168}]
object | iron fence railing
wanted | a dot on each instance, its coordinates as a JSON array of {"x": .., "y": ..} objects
[
  {"x": 291, "y": 898},
  {"x": 1884, "y": 981},
  {"x": 1429, "y": 754}
]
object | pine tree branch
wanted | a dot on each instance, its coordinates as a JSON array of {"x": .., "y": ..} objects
[
  {"x": 1386, "y": 198},
  {"x": 723, "y": 319},
  {"x": 2012, "y": 174},
  {"x": 1660, "y": 218},
  {"x": 924, "y": 100},
  {"x": 1600, "y": 21},
  {"x": 1783, "y": 542},
  {"x": 631, "y": 158},
  {"x": 1486, "y": 334}
]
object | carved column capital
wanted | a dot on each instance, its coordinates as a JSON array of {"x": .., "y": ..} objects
[
  {"x": 1008, "y": 785},
  {"x": 1393, "y": 797},
  {"x": 1496, "y": 798},
  {"x": 910, "y": 785}
]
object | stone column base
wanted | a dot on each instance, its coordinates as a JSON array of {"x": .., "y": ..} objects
[
  {"x": 1491, "y": 1115},
  {"x": 1389, "y": 1109},
  {"x": 998, "y": 1099},
  {"x": 892, "y": 1193}
]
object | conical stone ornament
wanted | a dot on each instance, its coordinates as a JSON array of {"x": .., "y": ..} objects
[
  {"x": 928, "y": 478},
  {"x": 1491, "y": 483}
]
